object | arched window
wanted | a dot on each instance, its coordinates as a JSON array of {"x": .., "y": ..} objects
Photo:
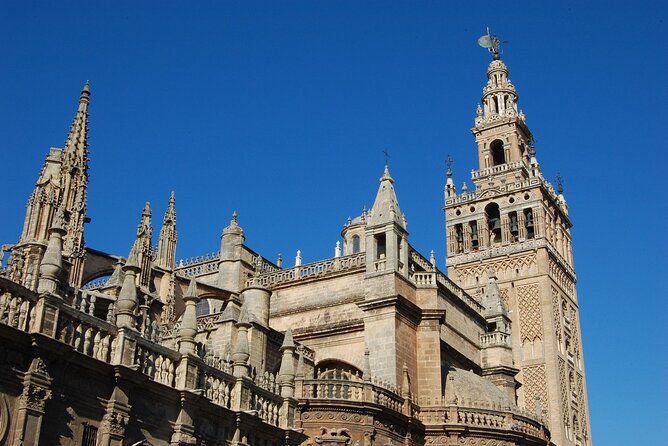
[
  {"x": 498, "y": 153},
  {"x": 493, "y": 223},
  {"x": 356, "y": 244}
]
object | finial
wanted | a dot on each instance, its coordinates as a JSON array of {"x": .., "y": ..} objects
[
  {"x": 234, "y": 218},
  {"x": 86, "y": 87},
  {"x": 337, "y": 249},
  {"x": 172, "y": 198},
  {"x": 560, "y": 184},
  {"x": 432, "y": 258},
  {"x": 298, "y": 258},
  {"x": 279, "y": 260},
  {"x": 465, "y": 188},
  {"x": 147, "y": 209},
  {"x": 448, "y": 162}
]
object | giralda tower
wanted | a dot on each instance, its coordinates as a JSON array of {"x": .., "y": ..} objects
[{"x": 514, "y": 224}]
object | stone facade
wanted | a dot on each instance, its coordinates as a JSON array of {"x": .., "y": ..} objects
[{"x": 375, "y": 346}]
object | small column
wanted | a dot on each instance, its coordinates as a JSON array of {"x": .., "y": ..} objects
[
  {"x": 286, "y": 379},
  {"x": 52, "y": 262},
  {"x": 241, "y": 350},
  {"x": 126, "y": 304},
  {"x": 188, "y": 329}
]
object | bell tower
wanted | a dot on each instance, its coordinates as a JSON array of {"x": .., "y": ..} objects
[{"x": 514, "y": 223}]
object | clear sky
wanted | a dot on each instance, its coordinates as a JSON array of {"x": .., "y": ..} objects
[{"x": 281, "y": 111}]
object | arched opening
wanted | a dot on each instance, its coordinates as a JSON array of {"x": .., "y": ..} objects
[
  {"x": 514, "y": 227},
  {"x": 475, "y": 242},
  {"x": 459, "y": 231},
  {"x": 333, "y": 368},
  {"x": 493, "y": 223},
  {"x": 498, "y": 153},
  {"x": 528, "y": 223},
  {"x": 356, "y": 244}
]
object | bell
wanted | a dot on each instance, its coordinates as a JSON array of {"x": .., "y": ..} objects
[
  {"x": 529, "y": 219},
  {"x": 513, "y": 225},
  {"x": 460, "y": 237},
  {"x": 474, "y": 236},
  {"x": 494, "y": 224}
]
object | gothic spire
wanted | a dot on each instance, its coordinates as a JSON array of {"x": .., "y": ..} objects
[
  {"x": 386, "y": 207},
  {"x": 166, "y": 254},
  {"x": 76, "y": 145},
  {"x": 144, "y": 246}
]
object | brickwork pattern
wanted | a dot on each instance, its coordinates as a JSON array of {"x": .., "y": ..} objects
[
  {"x": 531, "y": 321},
  {"x": 535, "y": 387}
]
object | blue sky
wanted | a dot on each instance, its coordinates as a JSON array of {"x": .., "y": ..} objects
[{"x": 281, "y": 111}]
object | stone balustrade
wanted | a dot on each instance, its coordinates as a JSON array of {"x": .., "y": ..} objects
[
  {"x": 311, "y": 270},
  {"x": 352, "y": 390},
  {"x": 79, "y": 320},
  {"x": 217, "y": 384},
  {"x": 485, "y": 417},
  {"x": 496, "y": 169},
  {"x": 435, "y": 278},
  {"x": 494, "y": 338},
  {"x": 265, "y": 404}
]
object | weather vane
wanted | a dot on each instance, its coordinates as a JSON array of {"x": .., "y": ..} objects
[
  {"x": 560, "y": 184},
  {"x": 492, "y": 43},
  {"x": 387, "y": 157},
  {"x": 448, "y": 162}
]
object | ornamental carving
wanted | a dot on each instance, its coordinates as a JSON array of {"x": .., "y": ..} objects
[
  {"x": 561, "y": 277},
  {"x": 535, "y": 387},
  {"x": 531, "y": 321},
  {"x": 556, "y": 315},
  {"x": 34, "y": 397},
  {"x": 329, "y": 436},
  {"x": 564, "y": 390},
  {"x": 505, "y": 268},
  {"x": 115, "y": 422}
]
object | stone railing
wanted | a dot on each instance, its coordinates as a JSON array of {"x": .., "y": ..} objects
[
  {"x": 16, "y": 309},
  {"x": 156, "y": 361},
  {"x": 494, "y": 338},
  {"x": 217, "y": 385},
  {"x": 311, "y": 270},
  {"x": 488, "y": 417},
  {"x": 429, "y": 279},
  {"x": 418, "y": 259},
  {"x": 496, "y": 169},
  {"x": 352, "y": 390},
  {"x": 86, "y": 333},
  {"x": 199, "y": 269},
  {"x": 82, "y": 320}
]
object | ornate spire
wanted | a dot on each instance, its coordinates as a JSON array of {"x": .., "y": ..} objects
[
  {"x": 166, "y": 253},
  {"x": 144, "y": 246},
  {"x": 386, "y": 207}
]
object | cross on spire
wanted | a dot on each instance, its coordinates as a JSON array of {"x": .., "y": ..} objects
[{"x": 387, "y": 156}]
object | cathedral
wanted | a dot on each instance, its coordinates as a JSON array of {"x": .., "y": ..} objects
[{"x": 374, "y": 347}]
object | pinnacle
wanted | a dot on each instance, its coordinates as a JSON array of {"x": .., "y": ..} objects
[
  {"x": 192, "y": 289},
  {"x": 147, "y": 209},
  {"x": 288, "y": 340}
]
